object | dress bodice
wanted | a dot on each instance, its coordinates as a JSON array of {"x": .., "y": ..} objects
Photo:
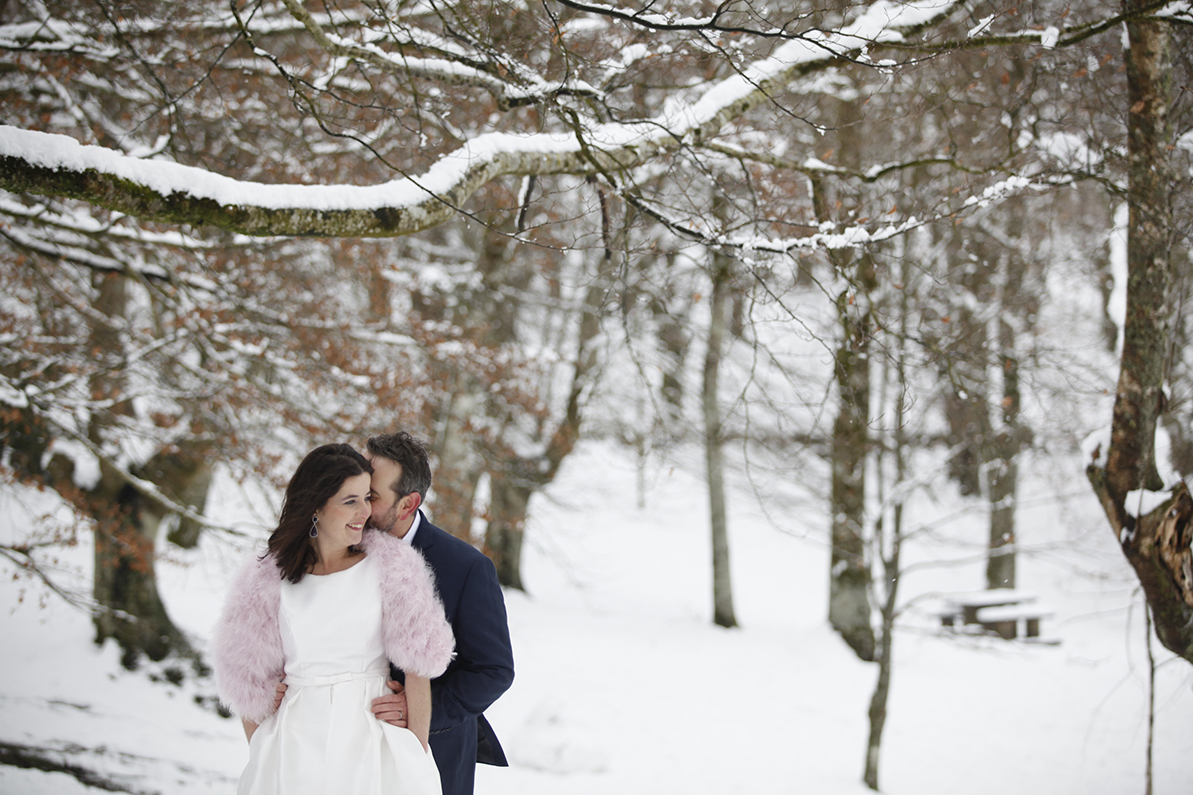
[{"x": 331, "y": 624}]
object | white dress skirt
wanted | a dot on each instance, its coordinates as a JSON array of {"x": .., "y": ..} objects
[{"x": 324, "y": 737}]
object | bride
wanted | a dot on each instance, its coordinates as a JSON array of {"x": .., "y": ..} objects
[{"x": 327, "y": 607}]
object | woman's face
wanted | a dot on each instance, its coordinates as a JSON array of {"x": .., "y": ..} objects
[{"x": 342, "y": 518}]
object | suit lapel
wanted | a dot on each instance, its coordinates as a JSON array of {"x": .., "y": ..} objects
[{"x": 423, "y": 538}]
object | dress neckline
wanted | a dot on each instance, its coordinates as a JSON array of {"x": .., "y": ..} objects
[{"x": 355, "y": 564}]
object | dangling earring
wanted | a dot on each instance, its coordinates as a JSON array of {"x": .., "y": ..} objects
[{"x": 314, "y": 526}]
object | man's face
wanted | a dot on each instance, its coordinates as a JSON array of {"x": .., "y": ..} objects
[{"x": 386, "y": 473}]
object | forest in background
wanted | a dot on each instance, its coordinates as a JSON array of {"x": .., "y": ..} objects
[{"x": 826, "y": 234}]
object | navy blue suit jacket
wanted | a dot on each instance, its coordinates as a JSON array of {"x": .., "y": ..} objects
[{"x": 483, "y": 667}]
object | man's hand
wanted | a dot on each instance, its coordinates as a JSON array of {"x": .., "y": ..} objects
[
  {"x": 392, "y": 708},
  {"x": 277, "y": 695}
]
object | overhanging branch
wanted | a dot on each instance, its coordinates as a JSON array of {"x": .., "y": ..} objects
[{"x": 163, "y": 192}]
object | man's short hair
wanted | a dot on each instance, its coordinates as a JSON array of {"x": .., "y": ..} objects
[{"x": 410, "y": 454}]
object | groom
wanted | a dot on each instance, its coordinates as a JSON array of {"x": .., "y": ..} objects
[{"x": 483, "y": 667}]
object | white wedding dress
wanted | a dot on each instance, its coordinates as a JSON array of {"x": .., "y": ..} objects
[{"x": 324, "y": 738}]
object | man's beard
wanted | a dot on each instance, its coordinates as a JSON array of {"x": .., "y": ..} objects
[{"x": 385, "y": 523}]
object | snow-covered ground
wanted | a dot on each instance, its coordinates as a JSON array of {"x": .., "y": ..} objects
[{"x": 624, "y": 686}]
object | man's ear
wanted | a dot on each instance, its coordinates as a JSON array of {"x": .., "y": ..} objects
[{"x": 408, "y": 505}]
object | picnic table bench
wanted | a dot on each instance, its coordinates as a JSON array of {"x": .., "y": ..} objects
[
  {"x": 1004, "y": 620},
  {"x": 1005, "y": 612}
]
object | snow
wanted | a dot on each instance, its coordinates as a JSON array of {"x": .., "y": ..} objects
[
  {"x": 1069, "y": 149},
  {"x": 62, "y": 152},
  {"x": 998, "y": 190},
  {"x": 1142, "y": 501},
  {"x": 1116, "y": 305},
  {"x": 10, "y": 395},
  {"x": 86, "y": 471},
  {"x": 1096, "y": 446},
  {"x": 1180, "y": 10},
  {"x": 625, "y": 686},
  {"x": 981, "y": 27}
]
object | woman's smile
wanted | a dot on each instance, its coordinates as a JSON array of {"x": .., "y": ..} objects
[{"x": 342, "y": 518}]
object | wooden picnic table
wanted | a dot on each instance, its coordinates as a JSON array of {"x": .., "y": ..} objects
[{"x": 1002, "y": 611}]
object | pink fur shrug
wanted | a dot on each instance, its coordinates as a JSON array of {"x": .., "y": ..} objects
[{"x": 248, "y": 642}]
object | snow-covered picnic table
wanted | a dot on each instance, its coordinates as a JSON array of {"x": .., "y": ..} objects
[{"x": 1002, "y": 611}]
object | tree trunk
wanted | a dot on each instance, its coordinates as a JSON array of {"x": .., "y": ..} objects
[
  {"x": 884, "y": 657},
  {"x": 125, "y": 585},
  {"x": 517, "y": 478},
  {"x": 674, "y": 342},
  {"x": 1002, "y": 480},
  {"x": 965, "y": 363},
  {"x": 849, "y": 583},
  {"x": 1138, "y": 400},
  {"x": 184, "y": 473},
  {"x": 509, "y": 503},
  {"x": 722, "y": 584},
  {"x": 485, "y": 315},
  {"x": 849, "y": 606},
  {"x": 1157, "y": 544},
  {"x": 459, "y": 469},
  {"x": 890, "y": 549}
]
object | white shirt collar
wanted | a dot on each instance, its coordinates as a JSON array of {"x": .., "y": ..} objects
[{"x": 409, "y": 537}]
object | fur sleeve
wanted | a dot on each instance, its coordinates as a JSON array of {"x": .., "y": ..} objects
[
  {"x": 415, "y": 631},
  {"x": 247, "y": 643}
]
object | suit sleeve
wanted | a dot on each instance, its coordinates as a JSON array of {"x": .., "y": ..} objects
[{"x": 484, "y": 664}]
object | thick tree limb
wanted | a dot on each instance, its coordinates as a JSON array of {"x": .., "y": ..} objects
[
  {"x": 1157, "y": 545},
  {"x": 38, "y": 163}
]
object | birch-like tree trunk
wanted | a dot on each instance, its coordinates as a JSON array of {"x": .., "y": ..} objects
[
  {"x": 722, "y": 582},
  {"x": 889, "y": 537}
]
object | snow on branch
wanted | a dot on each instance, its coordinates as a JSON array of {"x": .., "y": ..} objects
[
  {"x": 1181, "y": 11},
  {"x": 813, "y": 167},
  {"x": 446, "y": 71},
  {"x": 54, "y": 35},
  {"x": 1052, "y": 37},
  {"x": 155, "y": 190},
  {"x": 831, "y": 236},
  {"x": 828, "y": 237},
  {"x": 660, "y": 21},
  {"x": 82, "y": 224}
]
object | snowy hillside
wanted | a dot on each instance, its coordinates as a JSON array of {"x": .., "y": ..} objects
[{"x": 624, "y": 686}]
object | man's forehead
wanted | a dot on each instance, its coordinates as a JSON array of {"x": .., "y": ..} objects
[{"x": 382, "y": 463}]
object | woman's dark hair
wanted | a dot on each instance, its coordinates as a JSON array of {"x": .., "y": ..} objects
[{"x": 317, "y": 479}]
